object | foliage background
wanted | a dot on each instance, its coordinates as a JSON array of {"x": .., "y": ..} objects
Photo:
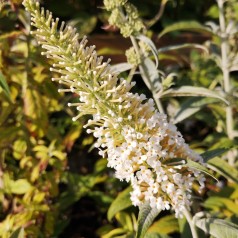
[{"x": 53, "y": 183}]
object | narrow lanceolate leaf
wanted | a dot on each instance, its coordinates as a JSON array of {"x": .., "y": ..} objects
[
  {"x": 192, "y": 92},
  {"x": 121, "y": 67},
  {"x": 19, "y": 233},
  {"x": 120, "y": 203},
  {"x": 182, "y": 46},
  {"x": 213, "y": 153},
  {"x": 185, "y": 26},
  {"x": 149, "y": 73},
  {"x": 4, "y": 86},
  {"x": 165, "y": 225},
  {"x": 197, "y": 166},
  {"x": 217, "y": 228},
  {"x": 191, "y": 106},
  {"x": 223, "y": 168},
  {"x": 152, "y": 46},
  {"x": 145, "y": 219}
]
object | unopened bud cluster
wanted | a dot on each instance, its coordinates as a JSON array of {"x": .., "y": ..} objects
[
  {"x": 125, "y": 16},
  {"x": 139, "y": 142}
]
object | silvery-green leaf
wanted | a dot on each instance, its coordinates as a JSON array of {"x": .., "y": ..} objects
[
  {"x": 184, "y": 25},
  {"x": 192, "y": 92},
  {"x": 182, "y": 46},
  {"x": 152, "y": 46},
  {"x": 218, "y": 228},
  {"x": 191, "y": 106},
  {"x": 121, "y": 67},
  {"x": 150, "y": 75},
  {"x": 194, "y": 165},
  {"x": 145, "y": 219}
]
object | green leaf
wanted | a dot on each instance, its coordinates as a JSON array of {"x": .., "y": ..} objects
[
  {"x": 126, "y": 220},
  {"x": 18, "y": 233},
  {"x": 165, "y": 225},
  {"x": 115, "y": 233},
  {"x": 155, "y": 235},
  {"x": 192, "y": 92},
  {"x": 4, "y": 86},
  {"x": 145, "y": 219},
  {"x": 152, "y": 46},
  {"x": 121, "y": 67},
  {"x": 20, "y": 186},
  {"x": 191, "y": 106},
  {"x": 182, "y": 46},
  {"x": 197, "y": 166},
  {"x": 150, "y": 75},
  {"x": 213, "y": 153},
  {"x": 224, "y": 169},
  {"x": 184, "y": 26},
  {"x": 185, "y": 231},
  {"x": 84, "y": 23},
  {"x": 19, "y": 148},
  {"x": 217, "y": 227},
  {"x": 221, "y": 203},
  {"x": 120, "y": 203},
  {"x": 213, "y": 12}
]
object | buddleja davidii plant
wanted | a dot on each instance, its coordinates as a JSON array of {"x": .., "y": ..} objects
[{"x": 139, "y": 142}]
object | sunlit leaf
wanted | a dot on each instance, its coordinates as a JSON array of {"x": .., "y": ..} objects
[
  {"x": 155, "y": 235},
  {"x": 118, "y": 232},
  {"x": 125, "y": 220},
  {"x": 152, "y": 46},
  {"x": 150, "y": 75},
  {"x": 165, "y": 225},
  {"x": 194, "y": 165},
  {"x": 217, "y": 228},
  {"x": 19, "y": 186},
  {"x": 184, "y": 26},
  {"x": 121, "y": 202},
  {"x": 192, "y": 92},
  {"x": 19, "y": 148},
  {"x": 224, "y": 169},
  {"x": 220, "y": 203},
  {"x": 182, "y": 46},
  {"x": 121, "y": 67},
  {"x": 18, "y": 233}
]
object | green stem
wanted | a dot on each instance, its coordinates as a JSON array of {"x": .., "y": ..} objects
[
  {"x": 157, "y": 17},
  {"x": 225, "y": 66},
  {"x": 193, "y": 228},
  {"x": 142, "y": 67},
  {"x": 146, "y": 78}
]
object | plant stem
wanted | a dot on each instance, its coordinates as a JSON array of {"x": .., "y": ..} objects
[
  {"x": 189, "y": 218},
  {"x": 142, "y": 67},
  {"x": 225, "y": 66},
  {"x": 146, "y": 76},
  {"x": 151, "y": 22}
]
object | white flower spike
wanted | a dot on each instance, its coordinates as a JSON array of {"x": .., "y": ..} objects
[{"x": 138, "y": 141}]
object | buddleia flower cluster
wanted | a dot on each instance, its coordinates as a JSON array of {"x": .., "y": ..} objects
[
  {"x": 138, "y": 141},
  {"x": 124, "y": 15}
]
